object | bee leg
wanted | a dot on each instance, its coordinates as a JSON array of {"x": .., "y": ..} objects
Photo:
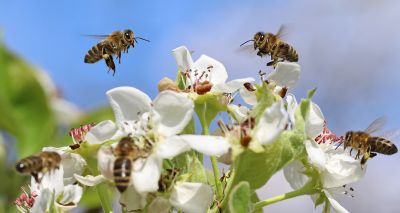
[
  {"x": 259, "y": 53},
  {"x": 351, "y": 150},
  {"x": 108, "y": 59},
  {"x": 270, "y": 63},
  {"x": 119, "y": 57},
  {"x": 110, "y": 64},
  {"x": 35, "y": 176}
]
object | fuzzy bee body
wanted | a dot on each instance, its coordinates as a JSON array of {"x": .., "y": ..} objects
[
  {"x": 271, "y": 44},
  {"x": 368, "y": 146},
  {"x": 125, "y": 153},
  {"x": 43, "y": 162},
  {"x": 113, "y": 44},
  {"x": 122, "y": 173}
]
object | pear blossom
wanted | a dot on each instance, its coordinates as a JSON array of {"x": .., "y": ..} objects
[
  {"x": 284, "y": 76},
  {"x": 52, "y": 187},
  {"x": 335, "y": 167},
  {"x": 315, "y": 120},
  {"x": 252, "y": 135},
  {"x": 158, "y": 121}
]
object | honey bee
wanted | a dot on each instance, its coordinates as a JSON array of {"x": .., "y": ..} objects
[
  {"x": 271, "y": 44},
  {"x": 113, "y": 44},
  {"x": 368, "y": 146},
  {"x": 125, "y": 152},
  {"x": 43, "y": 162}
]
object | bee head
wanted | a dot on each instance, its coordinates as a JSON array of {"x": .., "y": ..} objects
[
  {"x": 20, "y": 167},
  {"x": 128, "y": 36},
  {"x": 258, "y": 39}
]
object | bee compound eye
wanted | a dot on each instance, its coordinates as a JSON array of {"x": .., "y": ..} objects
[
  {"x": 20, "y": 167},
  {"x": 127, "y": 35}
]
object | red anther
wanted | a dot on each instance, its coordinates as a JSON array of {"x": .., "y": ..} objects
[
  {"x": 23, "y": 196},
  {"x": 327, "y": 135},
  {"x": 78, "y": 133},
  {"x": 18, "y": 202}
]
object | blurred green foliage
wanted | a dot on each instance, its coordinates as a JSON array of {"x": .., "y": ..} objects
[{"x": 26, "y": 116}]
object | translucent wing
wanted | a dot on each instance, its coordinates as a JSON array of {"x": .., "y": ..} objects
[
  {"x": 248, "y": 49},
  {"x": 376, "y": 125},
  {"x": 98, "y": 36},
  {"x": 391, "y": 134},
  {"x": 282, "y": 32}
]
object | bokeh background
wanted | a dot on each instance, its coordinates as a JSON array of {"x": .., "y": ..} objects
[{"x": 349, "y": 50}]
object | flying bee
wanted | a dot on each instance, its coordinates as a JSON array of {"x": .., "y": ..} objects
[
  {"x": 113, "y": 44},
  {"x": 368, "y": 146},
  {"x": 125, "y": 152},
  {"x": 43, "y": 162},
  {"x": 271, "y": 44}
]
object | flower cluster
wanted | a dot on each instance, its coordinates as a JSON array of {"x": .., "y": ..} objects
[{"x": 160, "y": 167}]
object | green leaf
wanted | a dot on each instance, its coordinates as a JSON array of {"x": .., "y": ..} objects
[
  {"x": 265, "y": 98},
  {"x": 208, "y": 106},
  {"x": 239, "y": 198},
  {"x": 258, "y": 168},
  {"x": 197, "y": 170},
  {"x": 24, "y": 106},
  {"x": 180, "y": 80}
]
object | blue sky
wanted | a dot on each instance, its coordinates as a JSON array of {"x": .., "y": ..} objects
[{"x": 349, "y": 51}]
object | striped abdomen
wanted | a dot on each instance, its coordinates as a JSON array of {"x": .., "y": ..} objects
[
  {"x": 31, "y": 164},
  {"x": 122, "y": 173},
  {"x": 284, "y": 51},
  {"x": 96, "y": 52},
  {"x": 381, "y": 145}
]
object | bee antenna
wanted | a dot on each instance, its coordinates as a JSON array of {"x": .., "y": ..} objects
[
  {"x": 141, "y": 39},
  {"x": 246, "y": 42}
]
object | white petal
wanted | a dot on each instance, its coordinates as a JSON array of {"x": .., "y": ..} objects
[
  {"x": 231, "y": 86},
  {"x": 286, "y": 74},
  {"x": 71, "y": 194},
  {"x": 171, "y": 147},
  {"x": 191, "y": 197},
  {"x": 183, "y": 58},
  {"x": 206, "y": 144},
  {"x": 315, "y": 121},
  {"x": 105, "y": 162},
  {"x": 316, "y": 155},
  {"x": 52, "y": 180},
  {"x": 341, "y": 169},
  {"x": 128, "y": 103},
  {"x": 102, "y": 132},
  {"x": 291, "y": 106},
  {"x": 272, "y": 123},
  {"x": 240, "y": 113},
  {"x": 294, "y": 174},
  {"x": 335, "y": 205},
  {"x": 146, "y": 178},
  {"x": 42, "y": 201},
  {"x": 89, "y": 180},
  {"x": 72, "y": 164},
  {"x": 132, "y": 200},
  {"x": 175, "y": 111},
  {"x": 217, "y": 74},
  {"x": 248, "y": 96},
  {"x": 159, "y": 205}
]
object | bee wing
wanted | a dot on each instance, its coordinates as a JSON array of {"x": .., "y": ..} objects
[
  {"x": 391, "y": 134},
  {"x": 282, "y": 32},
  {"x": 248, "y": 49},
  {"x": 98, "y": 36},
  {"x": 376, "y": 125}
]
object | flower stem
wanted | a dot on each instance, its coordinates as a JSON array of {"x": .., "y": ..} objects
[
  {"x": 104, "y": 196},
  {"x": 305, "y": 190},
  {"x": 214, "y": 164}
]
